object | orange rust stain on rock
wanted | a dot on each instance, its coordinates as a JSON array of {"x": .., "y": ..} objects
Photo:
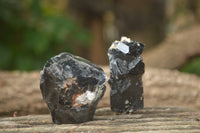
[
  {"x": 66, "y": 88},
  {"x": 69, "y": 83},
  {"x": 79, "y": 105},
  {"x": 74, "y": 99},
  {"x": 75, "y": 83}
]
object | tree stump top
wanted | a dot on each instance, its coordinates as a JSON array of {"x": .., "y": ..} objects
[{"x": 158, "y": 119}]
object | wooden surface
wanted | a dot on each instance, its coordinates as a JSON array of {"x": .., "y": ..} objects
[
  {"x": 20, "y": 91},
  {"x": 159, "y": 119}
]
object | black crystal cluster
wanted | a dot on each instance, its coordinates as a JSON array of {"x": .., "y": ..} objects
[
  {"x": 71, "y": 87},
  {"x": 126, "y": 70}
]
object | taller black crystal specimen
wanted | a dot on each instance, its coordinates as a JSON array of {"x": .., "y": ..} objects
[
  {"x": 126, "y": 70},
  {"x": 71, "y": 87}
]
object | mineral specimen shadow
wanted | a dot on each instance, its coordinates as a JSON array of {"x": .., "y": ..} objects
[
  {"x": 72, "y": 87},
  {"x": 126, "y": 70}
]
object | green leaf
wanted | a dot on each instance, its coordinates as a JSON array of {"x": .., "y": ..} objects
[
  {"x": 37, "y": 41},
  {"x": 6, "y": 56},
  {"x": 192, "y": 67},
  {"x": 36, "y": 8},
  {"x": 84, "y": 37},
  {"x": 24, "y": 62}
]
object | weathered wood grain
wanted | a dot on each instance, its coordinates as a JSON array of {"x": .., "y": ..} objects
[
  {"x": 155, "y": 120},
  {"x": 20, "y": 92}
]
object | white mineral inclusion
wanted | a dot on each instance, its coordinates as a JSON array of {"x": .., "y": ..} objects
[
  {"x": 120, "y": 45},
  {"x": 125, "y": 39},
  {"x": 85, "y": 98},
  {"x": 123, "y": 47}
]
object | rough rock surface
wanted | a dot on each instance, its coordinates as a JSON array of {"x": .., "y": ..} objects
[
  {"x": 126, "y": 70},
  {"x": 72, "y": 87},
  {"x": 20, "y": 91}
]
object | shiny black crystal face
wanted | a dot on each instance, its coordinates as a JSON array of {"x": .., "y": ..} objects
[
  {"x": 71, "y": 86},
  {"x": 126, "y": 70},
  {"x": 136, "y": 48}
]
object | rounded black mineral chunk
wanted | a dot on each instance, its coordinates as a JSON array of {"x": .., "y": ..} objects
[
  {"x": 126, "y": 70},
  {"x": 71, "y": 87}
]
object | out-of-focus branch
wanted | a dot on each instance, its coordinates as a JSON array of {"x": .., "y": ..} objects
[{"x": 176, "y": 50}]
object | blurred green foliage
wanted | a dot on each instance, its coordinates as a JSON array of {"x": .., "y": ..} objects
[
  {"x": 192, "y": 66},
  {"x": 30, "y": 34}
]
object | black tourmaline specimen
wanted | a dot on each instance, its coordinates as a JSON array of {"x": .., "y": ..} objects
[
  {"x": 71, "y": 87},
  {"x": 126, "y": 70}
]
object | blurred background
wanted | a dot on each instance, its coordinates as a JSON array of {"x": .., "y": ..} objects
[{"x": 32, "y": 31}]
